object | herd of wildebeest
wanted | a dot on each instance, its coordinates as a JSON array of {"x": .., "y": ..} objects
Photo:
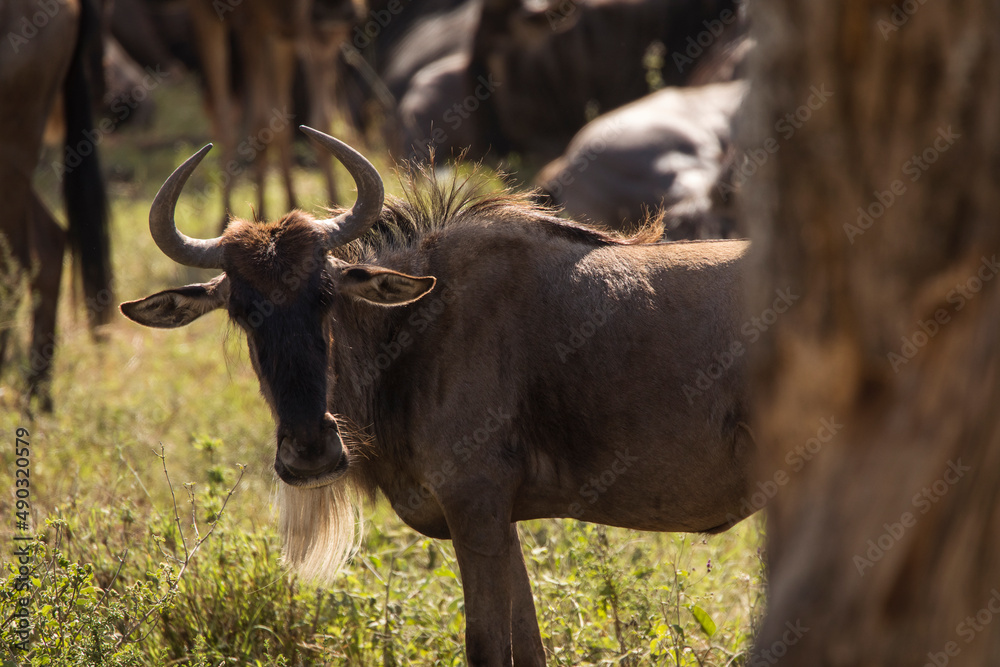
[{"x": 478, "y": 358}]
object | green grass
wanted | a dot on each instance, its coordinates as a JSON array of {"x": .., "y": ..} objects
[{"x": 113, "y": 536}]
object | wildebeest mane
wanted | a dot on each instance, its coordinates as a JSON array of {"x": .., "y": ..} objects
[{"x": 430, "y": 204}]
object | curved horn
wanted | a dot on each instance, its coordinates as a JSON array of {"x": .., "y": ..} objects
[
  {"x": 351, "y": 224},
  {"x": 201, "y": 253}
]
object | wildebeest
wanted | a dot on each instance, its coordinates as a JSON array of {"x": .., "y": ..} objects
[
  {"x": 45, "y": 55},
  {"x": 480, "y": 362},
  {"x": 559, "y": 63},
  {"x": 668, "y": 149}
]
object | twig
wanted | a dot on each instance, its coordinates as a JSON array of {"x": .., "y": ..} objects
[
  {"x": 188, "y": 554},
  {"x": 121, "y": 458},
  {"x": 194, "y": 510},
  {"x": 107, "y": 589},
  {"x": 173, "y": 500}
]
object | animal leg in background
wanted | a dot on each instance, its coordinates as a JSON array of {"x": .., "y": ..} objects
[
  {"x": 212, "y": 37},
  {"x": 15, "y": 254},
  {"x": 284, "y": 66},
  {"x": 319, "y": 55},
  {"x": 48, "y": 241},
  {"x": 35, "y": 248},
  {"x": 270, "y": 66}
]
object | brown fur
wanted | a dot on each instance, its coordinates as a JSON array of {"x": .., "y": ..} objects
[
  {"x": 263, "y": 252},
  {"x": 429, "y": 206}
]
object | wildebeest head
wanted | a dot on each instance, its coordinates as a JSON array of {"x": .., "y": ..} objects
[{"x": 278, "y": 285}]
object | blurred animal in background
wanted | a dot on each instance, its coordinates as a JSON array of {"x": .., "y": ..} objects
[
  {"x": 556, "y": 65},
  {"x": 436, "y": 108},
  {"x": 269, "y": 36},
  {"x": 479, "y": 78},
  {"x": 43, "y": 73},
  {"x": 432, "y": 117},
  {"x": 127, "y": 96},
  {"x": 491, "y": 78},
  {"x": 156, "y": 34},
  {"x": 406, "y": 66},
  {"x": 668, "y": 150}
]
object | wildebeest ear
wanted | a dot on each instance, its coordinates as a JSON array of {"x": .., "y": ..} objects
[
  {"x": 383, "y": 287},
  {"x": 176, "y": 307}
]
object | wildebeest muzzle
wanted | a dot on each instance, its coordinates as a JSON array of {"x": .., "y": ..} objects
[{"x": 310, "y": 457}]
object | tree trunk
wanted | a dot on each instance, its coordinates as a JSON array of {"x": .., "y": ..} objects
[{"x": 874, "y": 133}]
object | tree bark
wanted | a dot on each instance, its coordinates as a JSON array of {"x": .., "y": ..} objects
[{"x": 877, "y": 206}]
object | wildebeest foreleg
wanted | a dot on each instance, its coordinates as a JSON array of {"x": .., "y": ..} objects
[
  {"x": 270, "y": 62},
  {"x": 528, "y": 651},
  {"x": 481, "y": 532}
]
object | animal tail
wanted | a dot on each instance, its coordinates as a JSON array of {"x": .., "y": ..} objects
[{"x": 83, "y": 185}]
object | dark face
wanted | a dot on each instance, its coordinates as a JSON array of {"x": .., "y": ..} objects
[
  {"x": 281, "y": 296},
  {"x": 289, "y": 346}
]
